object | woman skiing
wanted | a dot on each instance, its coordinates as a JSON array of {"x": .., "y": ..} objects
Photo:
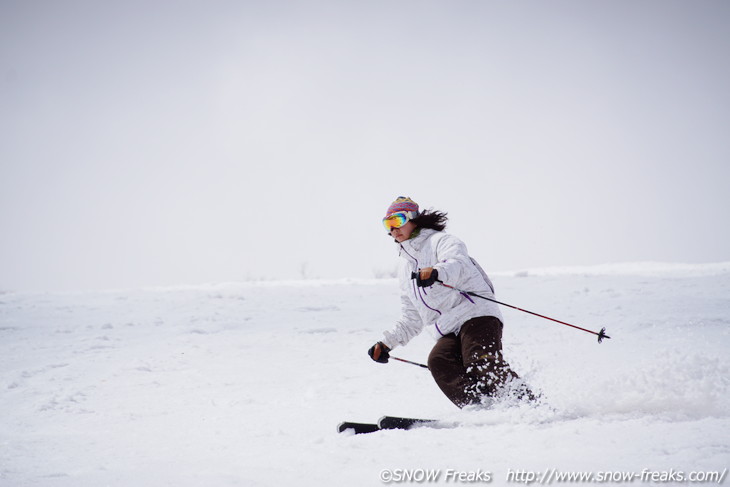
[{"x": 466, "y": 362}]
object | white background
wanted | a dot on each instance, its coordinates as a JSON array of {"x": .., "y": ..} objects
[{"x": 159, "y": 143}]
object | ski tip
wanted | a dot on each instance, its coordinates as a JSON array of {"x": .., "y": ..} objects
[{"x": 349, "y": 427}]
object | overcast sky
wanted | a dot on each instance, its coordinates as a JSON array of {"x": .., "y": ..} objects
[{"x": 147, "y": 143}]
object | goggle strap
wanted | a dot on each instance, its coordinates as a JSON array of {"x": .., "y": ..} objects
[{"x": 409, "y": 214}]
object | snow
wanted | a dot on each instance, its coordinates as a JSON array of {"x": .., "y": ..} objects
[{"x": 244, "y": 383}]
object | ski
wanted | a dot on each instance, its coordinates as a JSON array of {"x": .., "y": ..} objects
[
  {"x": 398, "y": 423},
  {"x": 384, "y": 423},
  {"x": 357, "y": 428}
]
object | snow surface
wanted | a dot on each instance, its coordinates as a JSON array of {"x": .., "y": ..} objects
[{"x": 244, "y": 383}]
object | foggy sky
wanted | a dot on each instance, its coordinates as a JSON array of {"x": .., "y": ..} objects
[{"x": 165, "y": 143}]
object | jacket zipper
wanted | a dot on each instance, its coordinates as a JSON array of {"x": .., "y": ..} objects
[{"x": 417, "y": 291}]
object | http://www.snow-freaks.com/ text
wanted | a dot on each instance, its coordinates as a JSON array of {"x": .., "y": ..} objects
[{"x": 548, "y": 477}]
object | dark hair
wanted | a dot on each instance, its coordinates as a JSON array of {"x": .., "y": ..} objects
[{"x": 435, "y": 220}]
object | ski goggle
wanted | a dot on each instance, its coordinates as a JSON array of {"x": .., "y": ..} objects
[{"x": 398, "y": 219}]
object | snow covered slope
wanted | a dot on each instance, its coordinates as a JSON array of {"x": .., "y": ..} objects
[{"x": 244, "y": 383}]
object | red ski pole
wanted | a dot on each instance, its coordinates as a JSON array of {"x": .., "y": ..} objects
[
  {"x": 409, "y": 362},
  {"x": 601, "y": 334}
]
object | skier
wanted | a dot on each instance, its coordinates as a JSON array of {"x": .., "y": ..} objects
[{"x": 466, "y": 362}]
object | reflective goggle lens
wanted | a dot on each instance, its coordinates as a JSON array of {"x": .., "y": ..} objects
[{"x": 396, "y": 220}]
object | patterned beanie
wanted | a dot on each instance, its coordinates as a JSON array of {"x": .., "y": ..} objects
[{"x": 402, "y": 203}]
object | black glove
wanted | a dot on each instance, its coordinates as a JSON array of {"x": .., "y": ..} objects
[
  {"x": 427, "y": 282},
  {"x": 379, "y": 353}
]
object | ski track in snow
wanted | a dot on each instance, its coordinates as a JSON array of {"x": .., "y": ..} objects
[{"x": 244, "y": 383}]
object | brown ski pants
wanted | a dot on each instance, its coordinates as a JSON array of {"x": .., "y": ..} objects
[{"x": 470, "y": 366}]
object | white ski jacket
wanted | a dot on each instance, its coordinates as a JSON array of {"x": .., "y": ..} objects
[{"x": 441, "y": 309}]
